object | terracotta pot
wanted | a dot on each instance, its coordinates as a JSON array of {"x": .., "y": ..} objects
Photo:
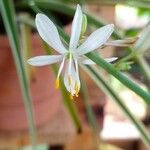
[
  {"x": 87, "y": 140},
  {"x": 46, "y": 98}
]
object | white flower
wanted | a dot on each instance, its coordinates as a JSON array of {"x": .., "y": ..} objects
[{"x": 74, "y": 54}]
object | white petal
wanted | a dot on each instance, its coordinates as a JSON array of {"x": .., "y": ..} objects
[
  {"x": 61, "y": 67},
  {"x": 74, "y": 78},
  {"x": 44, "y": 60},
  {"x": 49, "y": 33},
  {"x": 76, "y": 28},
  {"x": 66, "y": 83},
  {"x": 86, "y": 61},
  {"x": 111, "y": 59},
  {"x": 96, "y": 39}
]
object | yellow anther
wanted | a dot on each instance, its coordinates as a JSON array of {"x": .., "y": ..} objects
[
  {"x": 71, "y": 96},
  {"x": 76, "y": 89},
  {"x": 57, "y": 83},
  {"x": 69, "y": 80},
  {"x": 77, "y": 95}
]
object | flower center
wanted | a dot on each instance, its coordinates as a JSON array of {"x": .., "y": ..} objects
[
  {"x": 69, "y": 55},
  {"x": 72, "y": 74}
]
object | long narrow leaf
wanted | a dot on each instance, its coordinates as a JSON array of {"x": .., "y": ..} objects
[
  {"x": 122, "y": 78},
  {"x": 8, "y": 14},
  {"x": 95, "y": 75}
]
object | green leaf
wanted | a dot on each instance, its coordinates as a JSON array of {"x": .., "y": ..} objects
[
  {"x": 122, "y": 78},
  {"x": 143, "y": 43},
  {"x": 9, "y": 19},
  {"x": 26, "y": 51}
]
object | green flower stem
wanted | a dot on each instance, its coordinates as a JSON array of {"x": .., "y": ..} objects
[
  {"x": 95, "y": 75},
  {"x": 145, "y": 67},
  {"x": 26, "y": 20},
  {"x": 90, "y": 114},
  {"x": 70, "y": 105},
  {"x": 146, "y": 70},
  {"x": 66, "y": 97},
  {"x": 8, "y": 14},
  {"x": 122, "y": 78},
  {"x": 140, "y": 47}
]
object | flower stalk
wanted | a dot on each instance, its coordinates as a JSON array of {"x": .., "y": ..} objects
[{"x": 122, "y": 78}]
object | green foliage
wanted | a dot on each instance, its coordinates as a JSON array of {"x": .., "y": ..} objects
[{"x": 144, "y": 12}]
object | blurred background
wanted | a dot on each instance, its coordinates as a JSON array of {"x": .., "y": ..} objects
[{"x": 93, "y": 120}]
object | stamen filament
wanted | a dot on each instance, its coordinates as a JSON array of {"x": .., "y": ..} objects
[
  {"x": 69, "y": 80},
  {"x": 70, "y": 63},
  {"x": 76, "y": 65},
  {"x": 59, "y": 72},
  {"x": 77, "y": 88}
]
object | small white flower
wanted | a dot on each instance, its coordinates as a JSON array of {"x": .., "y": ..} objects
[{"x": 73, "y": 55}]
